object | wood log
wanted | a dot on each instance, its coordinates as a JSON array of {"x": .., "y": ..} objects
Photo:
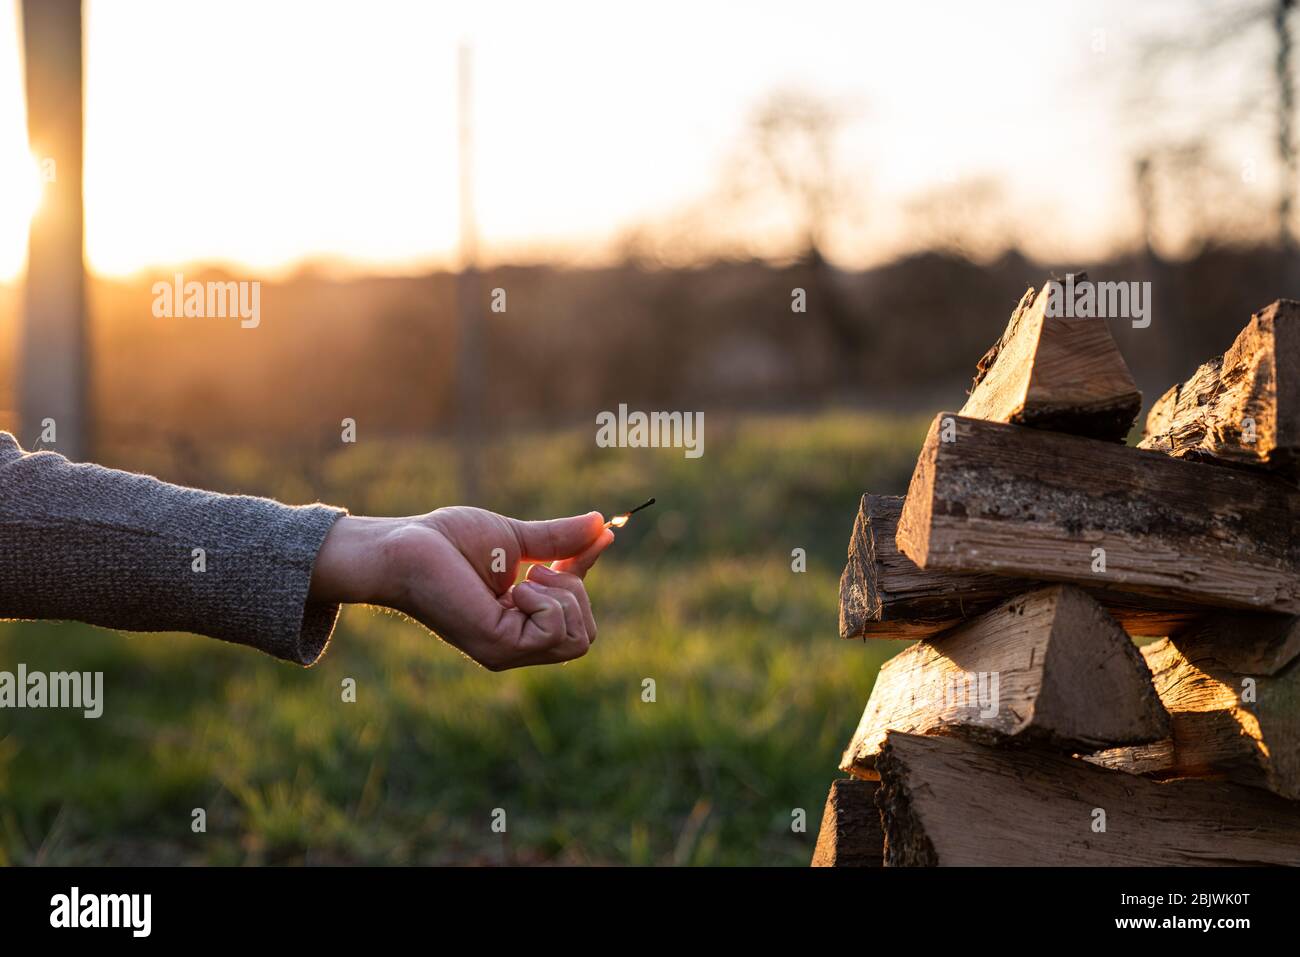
[
  {"x": 850, "y": 835},
  {"x": 1051, "y": 372},
  {"x": 883, "y": 594},
  {"x": 1223, "y": 723},
  {"x": 993, "y": 498},
  {"x": 951, "y": 802},
  {"x": 1243, "y": 407},
  {"x": 1050, "y": 666},
  {"x": 1246, "y": 644}
]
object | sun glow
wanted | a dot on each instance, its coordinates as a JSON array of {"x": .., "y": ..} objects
[
  {"x": 215, "y": 133},
  {"x": 26, "y": 186},
  {"x": 31, "y": 187}
]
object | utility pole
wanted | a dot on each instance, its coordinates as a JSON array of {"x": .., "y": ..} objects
[
  {"x": 469, "y": 367},
  {"x": 52, "y": 355},
  {"x": 1285, "y": 113}
]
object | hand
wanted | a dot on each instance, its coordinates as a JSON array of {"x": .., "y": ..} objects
[{"x": 454, "y": 570}]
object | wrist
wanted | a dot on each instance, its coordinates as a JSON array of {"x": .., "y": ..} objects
[{"x": 352, "y": 565}]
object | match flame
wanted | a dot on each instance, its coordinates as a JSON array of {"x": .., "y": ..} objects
[{"x": 618, "y": 521}]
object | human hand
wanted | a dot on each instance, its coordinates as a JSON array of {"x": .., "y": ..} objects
[{"x": 454, "y": 570}]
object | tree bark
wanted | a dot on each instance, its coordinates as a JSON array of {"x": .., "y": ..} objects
[
  {"x": 1242, "y": 408},
  {"x": 883, "y": 594},
  {"x": 993, "y": 498}
]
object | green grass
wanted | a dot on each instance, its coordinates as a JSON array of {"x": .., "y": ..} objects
[{"x": 755, "y": 696}]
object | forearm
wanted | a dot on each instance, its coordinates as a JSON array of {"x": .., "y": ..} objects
[{"x": 128, "y": 551}]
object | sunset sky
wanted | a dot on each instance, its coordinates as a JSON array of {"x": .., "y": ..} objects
[{"x": 263, "y": 134}]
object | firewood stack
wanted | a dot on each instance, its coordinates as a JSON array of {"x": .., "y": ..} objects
[{"x": 1025, "y": 725}]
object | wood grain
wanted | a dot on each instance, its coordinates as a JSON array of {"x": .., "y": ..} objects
[
  {"x": 951, "y": 802},
  {"x": 1224, "y": 724},
  {"x": 850, "y": 835},
  {"x": 992, "y": 498},
  {"x": 1055, "y": 373},
  {"x": 884, "y": 594},
  {"x": 1050, "y": 666},
  {"x": 1243, "y": 407},
  {"x": 1245, "y": 643}
]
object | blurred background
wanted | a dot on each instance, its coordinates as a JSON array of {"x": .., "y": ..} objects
[{"x": 648, "y": 189}]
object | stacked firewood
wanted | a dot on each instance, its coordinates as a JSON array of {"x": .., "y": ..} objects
[{"x": 1104, "y": 668}]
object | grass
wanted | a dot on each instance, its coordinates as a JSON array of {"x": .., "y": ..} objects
[{"x": 754, "y": 695}]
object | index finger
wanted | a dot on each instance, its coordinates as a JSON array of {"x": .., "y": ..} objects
[{"x": 581, "y": 563}]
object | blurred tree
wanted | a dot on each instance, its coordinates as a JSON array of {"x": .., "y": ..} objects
[
  {"x": 792, "y": 139},
  {"x": 1143, "y": 187},
  {"x": 966, "y": 217},
  {"x": 789, "y": 152},
  {"x": 1222, "y": 29}
]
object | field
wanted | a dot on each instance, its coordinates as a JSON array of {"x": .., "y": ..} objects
[{"x": 754, "y": 695}]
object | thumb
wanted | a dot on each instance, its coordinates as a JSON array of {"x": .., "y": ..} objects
[
  {"x": 581, "y": 564},
  {"x": 557, "y": 537}
]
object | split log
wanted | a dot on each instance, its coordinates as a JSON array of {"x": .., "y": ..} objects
[
  {"x": 1243, "y": 407},
  {"x": 993, "y": 498},
  {"x": 947, "y": 801},
  {"x": 883, "y": 594},
  {"x": 1050, "y": 666},
  {"x": 1224, "y": 724},
  {"x": 850, "y": 835},
  {"x": 1051, "y": 372},
  {"x": 1247, "y": 644}
]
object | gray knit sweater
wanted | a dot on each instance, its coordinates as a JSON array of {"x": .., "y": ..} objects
[{"x": 111, "y": 548}]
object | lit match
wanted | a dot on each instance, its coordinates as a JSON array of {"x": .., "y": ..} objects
[{"x": 618, "y": 521}]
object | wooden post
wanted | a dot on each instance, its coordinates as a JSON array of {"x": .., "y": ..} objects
[
  {"x": 469, "y": 367},
  {"x": 52, "y": 356}
]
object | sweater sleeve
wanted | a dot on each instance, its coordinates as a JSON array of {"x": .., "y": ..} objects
[{"x": 110, "y": 548}]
